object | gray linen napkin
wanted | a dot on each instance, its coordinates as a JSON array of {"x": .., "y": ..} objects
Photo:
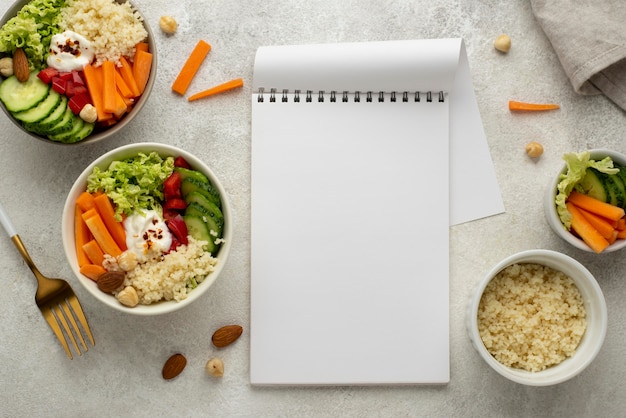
[{"x": 589, "y": 37}]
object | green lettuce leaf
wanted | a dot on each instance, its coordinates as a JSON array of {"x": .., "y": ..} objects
[
  {"x": 134, "y": 184},
  {"x": 577, "y": 165},
  {"x": 32, "y": 29}
]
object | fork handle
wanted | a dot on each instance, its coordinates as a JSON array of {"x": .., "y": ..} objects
[{"x": 6, "y": 222}]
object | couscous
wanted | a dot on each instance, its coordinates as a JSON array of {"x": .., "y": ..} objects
[
  {"x": 113, "y": 28},
  {"x": 531, "y": 317}
]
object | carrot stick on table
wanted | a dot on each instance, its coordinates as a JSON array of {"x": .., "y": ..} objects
[
  {"x": 586, "y": 231},
  {"x": 229, "y": 85},
  {"x": 596, "y": 206},
  {"x": 191, "y": 67},
  {"x": 523, "y": 106}
]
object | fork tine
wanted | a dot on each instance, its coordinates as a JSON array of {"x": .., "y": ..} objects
[
  {"x": 78, "y": 311},
  {"x": 52, "y": 321},
  {"x": 68, "y": 331},
  {"x": 70, "y": 317}
]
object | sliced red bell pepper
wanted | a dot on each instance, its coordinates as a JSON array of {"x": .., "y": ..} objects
[
  {"x": 171, "y": 186},
  {"x": 181, "y": 162},
  {"x": 47, "y": 74}
]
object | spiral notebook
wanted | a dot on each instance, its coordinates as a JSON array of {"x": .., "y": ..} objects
[{"x": 351, "y": 212}]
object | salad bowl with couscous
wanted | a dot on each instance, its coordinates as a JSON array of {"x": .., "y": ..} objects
[
  {"x": 147, "y": 228},
  {"x": 74, "y": 71}
]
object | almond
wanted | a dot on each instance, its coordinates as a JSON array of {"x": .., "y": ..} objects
[
  {"x": 20, "y": 65},
  {"x": 110, "y": 281},
  {"x": 226, "y": 335},
  {"x": 174, "y": 366}
]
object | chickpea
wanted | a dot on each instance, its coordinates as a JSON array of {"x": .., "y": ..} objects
[
  {"x": 168, "y": 24},
  {"x": 503, "y": 43},
  {"x": 534, "y": 149}
]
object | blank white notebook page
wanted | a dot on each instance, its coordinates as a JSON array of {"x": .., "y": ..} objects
[{"x": 349, "y": 250}]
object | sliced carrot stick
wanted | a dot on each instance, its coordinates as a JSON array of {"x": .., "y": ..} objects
[
  {"x": 621, "y": 233},
  {"x": 620, "y": 224},
  {"x": 93, "y": 78},
  {"x": 142, "y": 46},
  {"x": 122, "y": 86},
  {"x": 596, "y": 206},
  {"x": 107, "y": 212},
  {"x": 532, "y": 107},
  {"x": 93, "y": 271},
  {"x": 229, "y": 85},
  {"x": 94, "y": 252},
  {"x": 85, "y": 201},
  {"x": 191, "y": 67},
  {"x": 585, "y": 230},
  {"x": 82, "y": 235},
  {"x": 126, "y": 70},
  {"x": 109, "y": 87},
  {"x": 141, "y": 69},
  {"x": 102, "y": 235},
  {"x": 603, "y": 226}
]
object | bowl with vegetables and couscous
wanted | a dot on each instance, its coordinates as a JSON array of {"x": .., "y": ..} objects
[
  {"x": 147, "y": 228},
  {"x": 537, "y": 317},
  {"x": 585, "y": 202},
  {"x": 75, "y": 71}
]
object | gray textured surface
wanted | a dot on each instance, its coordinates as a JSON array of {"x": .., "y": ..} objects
[{"x": 120, "y": 376}]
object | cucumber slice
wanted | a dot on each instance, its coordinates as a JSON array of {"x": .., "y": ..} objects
[
  {"x": 64, "y": 125},
  {"x": 77, "y": 125},
  {"x": 42, "y": 110},
  {"x": 616, "y": 189},
  {"x": 200, "y": 205},
  {"x": 18, "y": 96},
  {"x": 186, "y": 173},
  {"x": 44, "y": 125},
  {"x": 85, "y": 131},
  {"x": 198, "y": 229},
  {"x": 195, "y": 184},
  {"x": 593, "y": 185}
]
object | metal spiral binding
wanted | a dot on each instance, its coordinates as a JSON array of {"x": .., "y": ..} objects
[{"x": 345, "y": 96}]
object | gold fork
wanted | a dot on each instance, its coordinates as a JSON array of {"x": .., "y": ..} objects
[{"x": 55, "y": 298}]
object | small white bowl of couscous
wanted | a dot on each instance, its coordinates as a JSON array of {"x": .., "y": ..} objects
[
  {"x": 147, "y": 228},
  {"x": 537, "y": 318},
  {"x": 82, "y": 75}
]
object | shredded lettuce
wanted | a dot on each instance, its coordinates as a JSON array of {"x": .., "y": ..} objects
[
  {"x": 134, "y": 184},
  {"x": 31, "y": 29},
  {"x": 577, "y": 165}
]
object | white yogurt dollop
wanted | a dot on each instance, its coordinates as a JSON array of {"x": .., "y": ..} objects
[
  {"x": 147, "y": 235},
  {"x": 69, "y": 51}
]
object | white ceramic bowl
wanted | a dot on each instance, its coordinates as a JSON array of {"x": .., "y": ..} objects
[
  {"x": 98, "y": 134},
  {"x": 80, "y": 185},
  {"x": 595, "y": 307},
  {"x": 550, "y": 208}
]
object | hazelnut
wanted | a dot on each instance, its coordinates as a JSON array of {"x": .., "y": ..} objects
[
  {"x": 127, "y": 261},
  {"x": 88, "y": 113},
  {"x": 215, "y": 367},
  {"x": 534, "y": 149},
  {"x": 128, "y": 297},
  {"x": 168, "y": 24},
  {"x": 502, "y": 43},
  {"x": 6, "y": 66}
]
